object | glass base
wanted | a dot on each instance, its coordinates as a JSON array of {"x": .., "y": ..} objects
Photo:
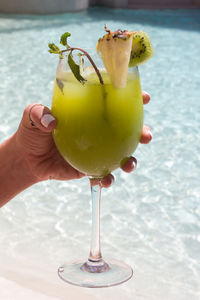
[{"x": 95, "y": 274}]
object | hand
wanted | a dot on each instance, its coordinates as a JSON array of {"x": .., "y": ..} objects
[{"x": 36, "y": 146}]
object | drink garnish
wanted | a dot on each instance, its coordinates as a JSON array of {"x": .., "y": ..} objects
[
  {"x": 115, "y": 49},
  {"x": 75, "y": 68},
  {"x": 122, "y": 49},
  {"x": 141, "y": 49},
  {"x": 119, "y": 50}
]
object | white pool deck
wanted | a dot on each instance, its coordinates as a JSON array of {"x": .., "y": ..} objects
[
  {"x": 22, "y": 280},
  {"x": 10, "y": 288}
]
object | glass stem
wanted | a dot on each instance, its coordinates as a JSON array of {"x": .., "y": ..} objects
[
  {"x": 95, "y": 263},
  {"x": 95, "y": 247}
]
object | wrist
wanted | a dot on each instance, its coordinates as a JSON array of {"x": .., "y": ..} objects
[
  {"x": 15, "y": 175},
  {"x": 22, "y": 160}
]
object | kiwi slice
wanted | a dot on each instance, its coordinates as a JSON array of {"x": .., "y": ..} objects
[{"x": 141, "y": 49}]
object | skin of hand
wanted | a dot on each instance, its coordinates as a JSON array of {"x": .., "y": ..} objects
[{"x": 38, "y": 149}]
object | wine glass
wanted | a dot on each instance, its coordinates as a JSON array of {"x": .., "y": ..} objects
[{"x": 98, "y": 128}]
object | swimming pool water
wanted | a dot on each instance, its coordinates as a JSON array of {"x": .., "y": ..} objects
[{"x": 150, "y": 218}]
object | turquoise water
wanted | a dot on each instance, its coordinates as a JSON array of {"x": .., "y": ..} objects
[{"x": 150, "y": 218}]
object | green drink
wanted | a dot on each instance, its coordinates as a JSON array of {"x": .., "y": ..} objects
[
  {"x": 100, "y": 120},
  {"x": 98, "y": 126}
]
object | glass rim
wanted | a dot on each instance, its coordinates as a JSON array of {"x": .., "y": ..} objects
[{"x": 64, "y": 54}]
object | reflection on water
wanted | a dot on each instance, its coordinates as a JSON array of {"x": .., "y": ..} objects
[{"x": 151, "y": 218}]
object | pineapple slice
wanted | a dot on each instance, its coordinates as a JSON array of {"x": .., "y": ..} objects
[{"x": 115, "y": 49}]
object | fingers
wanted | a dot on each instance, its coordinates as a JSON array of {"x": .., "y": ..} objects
[
  {"x": 146, "y": 136},
  {"x": 146, "y": 97},
  {"x": 105, "y": 182},
  {"x": 39, "y": 116},
  {"x": 129, "y": 165}
]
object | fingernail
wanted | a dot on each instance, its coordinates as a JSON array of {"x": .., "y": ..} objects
[
  {"x": 149, "y": 132},
  {"x": 146, "y": 93},
  {"x": 133, "y": 162},
  {"x": 47, "y": 119},
  {"x": 112, "y": 180},
  {"x": 107, "y": 181}
]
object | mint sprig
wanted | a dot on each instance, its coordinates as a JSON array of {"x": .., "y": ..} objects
[
  {"x": 75, "y": 68},
  {"x": 63, "y": 39},
  {"x": 53, "y": 48}
]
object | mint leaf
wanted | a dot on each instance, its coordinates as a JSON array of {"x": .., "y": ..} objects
[
  {"x": 63, "y": 39},
  {"x": 75, "y": 69},
  {"x": 53, "y": 48},
  {"x": 60, "y": 85}
]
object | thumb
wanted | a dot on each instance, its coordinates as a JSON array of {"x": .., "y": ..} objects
[{"x": 38, "y": 116}]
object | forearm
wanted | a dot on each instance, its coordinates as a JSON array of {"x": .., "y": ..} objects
[{"x": 14, "y": 172}]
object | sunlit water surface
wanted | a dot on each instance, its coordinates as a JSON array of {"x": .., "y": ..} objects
[{"x": 150, "y": 218}]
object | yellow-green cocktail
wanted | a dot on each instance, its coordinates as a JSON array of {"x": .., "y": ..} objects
[
  {"x": 100, "y": 119},
  {"x": 98, "y": 126}
]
